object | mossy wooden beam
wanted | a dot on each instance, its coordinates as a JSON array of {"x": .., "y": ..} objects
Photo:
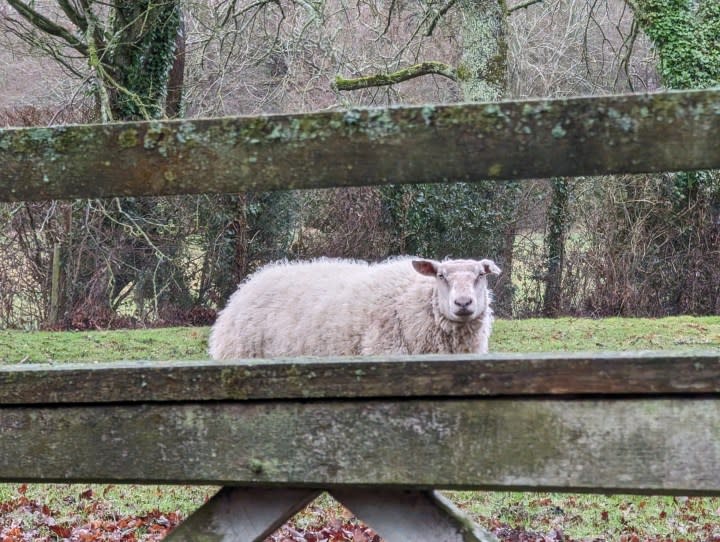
[
  {"x": 661, "y": 446},
  {"x": 497, "y": 375},
  {"x": 469, "y": 142},
  {"x": 384, "y": 79}
]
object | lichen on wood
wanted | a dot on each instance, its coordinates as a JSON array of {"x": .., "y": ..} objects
[
  {"x": 671, "y": 131},
  {"x": 495, "y": 375},
  {"x": 591, "y": 445}
]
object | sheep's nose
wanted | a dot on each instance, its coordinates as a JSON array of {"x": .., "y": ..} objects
[{"x": 463, "y": 301}]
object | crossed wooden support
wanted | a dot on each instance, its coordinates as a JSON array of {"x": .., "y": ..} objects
[{"x": 252, "y": 514}]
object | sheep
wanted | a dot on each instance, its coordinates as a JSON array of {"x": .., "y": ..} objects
[{"x": 338, "y": 307}]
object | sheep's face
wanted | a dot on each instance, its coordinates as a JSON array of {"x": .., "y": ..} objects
[{"x": 461, "y": 285}]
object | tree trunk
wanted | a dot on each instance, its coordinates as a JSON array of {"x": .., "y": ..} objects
[
  {"x": 147, "y": 33},
  {"x": 176, "y": 78},
  {"x": 685, "y": 35},
  {"x": 557, "y": 225},
  {"x": 483, "y": 77},
  {"x": 483, "y": 68}
]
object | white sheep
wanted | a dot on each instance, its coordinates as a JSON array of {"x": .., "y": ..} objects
[{"x": 330, "y": 307}]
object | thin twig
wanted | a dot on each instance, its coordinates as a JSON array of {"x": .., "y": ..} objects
[{"x": 524, "y": 5}]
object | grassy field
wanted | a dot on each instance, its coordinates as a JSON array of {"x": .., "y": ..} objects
[
  {"x": 513, "y": 516},
  {"x": 532, "y": 335}
]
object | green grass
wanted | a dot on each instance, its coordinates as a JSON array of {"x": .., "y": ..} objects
[
  {"x": 128, "y": 500},
  {"x": 91, "y": 512},
  {"x": 90, "y": 346},
  {"x": 532, "y": 335},
  {"x": 584, "y": 334},
  {"x": 598, "y": 516},
  {"x": 578, "y": 516}
]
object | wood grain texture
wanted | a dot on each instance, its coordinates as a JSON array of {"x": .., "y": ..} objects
[
  {"x": 509, "y": 140},
  {"x": 661, "y": 446},
  {"x": 607, "y": 373},
  {"x": 242, "y": 514}
]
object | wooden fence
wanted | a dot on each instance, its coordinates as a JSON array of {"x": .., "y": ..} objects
[{"x": 381, "y": 434}]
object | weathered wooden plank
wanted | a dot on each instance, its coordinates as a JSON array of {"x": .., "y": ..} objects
[
  {"x": 419, "y": 516},
  {"x": 606, "y": 373},
  {"x": 663, "y": 446},
  {"x": 242, "y": 514},
  {"x": 510, "y": 140}
]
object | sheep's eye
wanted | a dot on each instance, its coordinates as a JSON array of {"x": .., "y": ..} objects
[{"x": 442, "y": 276}]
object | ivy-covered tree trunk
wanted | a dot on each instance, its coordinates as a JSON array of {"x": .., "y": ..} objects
[
  {"x": 146, "y": 33},
  {"x": 130, "y": 45},
  {"x": 143, "y": 54},
  {"x": 557, "y": 226},
  {"x": 484, "y": 77},
  {"x": 686, "y": 36}
]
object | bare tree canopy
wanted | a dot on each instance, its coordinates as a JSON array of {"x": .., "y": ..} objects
[{"x": 567, "y": 246}]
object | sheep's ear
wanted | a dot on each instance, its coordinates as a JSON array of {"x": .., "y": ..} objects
[
  {"x": 425, "y": 267},
  {"x": 489, "y": 267}
]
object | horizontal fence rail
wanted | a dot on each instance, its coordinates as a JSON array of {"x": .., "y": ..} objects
[
  {"x": 592, "y": 445},
  {"x": 508, "y": 140},
  {"x": 611, "y": 422},
  {"x": 495, "y": 375}
]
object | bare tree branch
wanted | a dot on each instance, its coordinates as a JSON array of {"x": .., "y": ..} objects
[
  {"x": 52, "y": 48},
  {"x": 439, "y": 16},
  {"x": 524, "y": 5},
  {"x": 76, "y": 17},
  {"x": 91, "y": 19},
  {"x": 383, "y": 79},
  {"x": 228, "y": 13},
  {"x": 47, "y": 26},
  {"x": 389, "y": 17},
  {"x": 628, "y": 44}
]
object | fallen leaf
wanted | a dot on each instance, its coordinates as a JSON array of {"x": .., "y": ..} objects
[
  {"x": 63, "y": 531},
  {"x": 87, "y": 494}
]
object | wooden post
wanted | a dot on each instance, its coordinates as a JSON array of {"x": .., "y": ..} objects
[{"x": 55, "y": 285}]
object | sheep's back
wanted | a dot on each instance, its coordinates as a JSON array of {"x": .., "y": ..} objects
[{"x": 290, "y": 309}]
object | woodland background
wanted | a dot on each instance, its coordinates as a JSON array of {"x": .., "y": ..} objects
[{"x": 643, "y": 245}]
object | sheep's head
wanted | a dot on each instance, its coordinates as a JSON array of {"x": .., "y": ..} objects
[{"x": 461, "y": 286}]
